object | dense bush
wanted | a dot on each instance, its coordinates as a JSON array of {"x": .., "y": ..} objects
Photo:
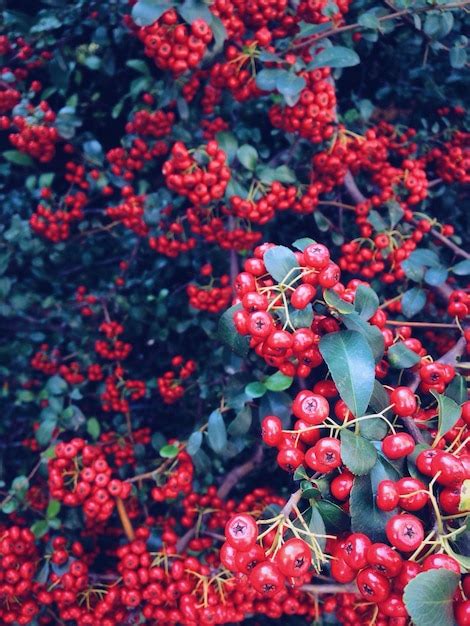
[{"x": 235, "y": 302}]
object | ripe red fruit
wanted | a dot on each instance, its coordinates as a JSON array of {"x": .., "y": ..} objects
[
  {"x": 271, "y": 430},
  {"x": 405, "y": 532},
  {"x": 441, "y": 561},
  {"x": 267, "y": 579},
  {"x": 372, "y": 585},
  {"x": 311, "y": 407},
  {"x": 355, "y": 549},
  {"x": 246, "y": 561},
  {"x": 316, "y": 256},
  {"x": 413, "y": 502},
  {"x": 341, "y": 485},
  {"x": 424, "y": 460},
  {"x": 387, "y": 495},
  {"x": 260, "y": 324},
  {"x": 294, "y": 557},
  {"x": 384, "y": 559},
  {"x": 342, "y": 572},
  {"x": 241, "y": 532},
  {"x": 450, "y": 468},
  {"x": 302, "y": 295},
  {"x": 398, "y": 446},
  {"x": 404, "y": 400}
]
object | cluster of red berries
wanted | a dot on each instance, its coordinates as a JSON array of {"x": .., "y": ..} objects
[
  {"x": 174, "y": 45},
  {"x": 242, "y": 554},
  {"x": 9, "y": 98},
  {"x": 170, "y": 384},
  {"x": 120, "y": 448},
  {"x": 85, "y": 300},
  {"x": 210, "y": 298},
  {"x": 37, "y": 140},
  {"x": 263, "y": 209},
  {"x": 173, "y": 241},
  {"x": 119, "y": 391},
  {"x": 177, "y": 480},
  {"x": 204, "y": 221},
  {"x": 201, "y": 181},
  {"x": 319, "y": 11},
  {"x": 79, "y": 475},
  {"x": 18, "y": 565},
  {"x": 130, "y": 212},
  {"x": 264, "y": 311},
  {"x": 459, "y": 304},
  {"x": 55, "y": 224},
  {"x": 44, "y": 362},
  {"x": 112, "y": 348},
  {"x": 314, "y": 113},
  {"x": 453, "y": 161}
]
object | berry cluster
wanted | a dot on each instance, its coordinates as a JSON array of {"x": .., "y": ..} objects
[
  {"x": 170, "y": 385},
  {"x": 211, "y": 298}
]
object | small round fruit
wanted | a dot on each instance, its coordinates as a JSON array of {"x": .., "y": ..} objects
[
  {"x": 310, "y": 407},
  {"x": 384, "y": 559},
  {"x": 398, "y": 446},
  {"x": 372, "y": 585},
  {"x": 354, "y": 550},
  {"x": 441, "y": 561},
  {"x": 241, "y": 532},
  {"x": 405, "y": 532},
  {"x": 267, "y": 579},
  {"x": 387, "y": 495},
  {"x": 404, "y": 400},
  {"x": 294, "y": 558}
]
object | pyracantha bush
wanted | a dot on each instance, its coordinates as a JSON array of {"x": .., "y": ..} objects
[{"x": 236, "y": 312}]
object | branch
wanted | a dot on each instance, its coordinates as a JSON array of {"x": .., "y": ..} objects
[
  {"x": 125, "y": 521},
  {"x": 232, "y": 478},
  {"x": 239, "y": 472},
  {"x": 384, "y": 18},
  {"x": 353, "y": 189},
  {"x": 323, "y": 589},
  {"x": 291, "y": 503}
]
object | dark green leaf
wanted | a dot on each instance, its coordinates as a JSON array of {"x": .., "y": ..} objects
[
  {"x": 248, "y": 156},
  {"x": 351, "y": 363},
  {"x": 413, "y": 301},
  {"x": 93, "y": 427},
  {"x": 301, "y": 244},
  {"x": 242, "y": 422},
  {"x": 146, "y": 12},
  {"x": 429, "y": 597},
  {"x": 336, "y": 520},
  {"x": 457, "y": 389},
  {"x": 53, "y": 509},
  {"x": 255, "y": 389},
  {"x": 435, "y": 276},
  {"x": 371, "y": 334},
  {"x": 40, "y": 528},
  {"x": 462, "y": 268},
  {"x": 366, "y": 301},
  {"x": 216, "y": 431},
  {"x": 334, "y": 301},
  {"x": 336, "y": 56},
  {"x": 194, "y": 442},
  {"x": 18, "y": 158},
  {"x": 448, "y": 413},
  {"x": 401, "y": 357},
  {"x": 358, "y": 454},
  {"x": 280, "y": 262},
  {"x": 229, "y": 334},
  {"x": 278, "y": 382}
]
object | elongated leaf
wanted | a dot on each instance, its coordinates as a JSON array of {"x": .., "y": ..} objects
[
  {"x": 336, "y": 56},
  {"x": 400, "y": 356},
  {"x": 351, "y": 363},
  {"x": 358, "y": 454},
  {"x": 216, "y": 431},
  {"x": 371, "y": 334},
  {"x": 229, "y": 335},
  {"x": 448, "y": 413},
  {"x": 462, "y": 268},
  {"x": 194, "y": 443},
  {"x": 248, "y": 156},
  {"x": 280, "y": 261},
  {"x": 457, "y": 389},
  {"x": 413, "y": 301},
  {"x": 366, "y": 302},
  {"x": 333, "y": 300},
  {"x": 429, "y": 597},
  {"x": 278, "y": 382},
  {"x": 302, "y": 243}
]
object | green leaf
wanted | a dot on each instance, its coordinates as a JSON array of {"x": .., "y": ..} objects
[
  {"x": 93, "y": 427},
  {"x": 358, "y": 454},
  {"x": 334, "y": 301},
  {"x": 302, "y": 243},
  {"x": 194, "y": 443},
  {"x": 458, "y": 57},
  {"x": 336, "y": 56},
  {"x": 336, "y": 520},
  {"x": 457, "y": 389},
  {"x": 255, "y": 389},
  {"x": 228, "y": 143},
  {"x": 365, "y": 516},
  {"x": 429, "y": 597},
  {"x": 280, "y": 261},
  {"x": 282, "y": 174},
  {"x": 413, "y": 301},
  {"x": 242, "y": 422},
  {"x": 366, "y": 302},
  {"x": 369, "y": 19},
  {"x": 401, "y": 357},
  {"x": 276, "y": 403},
  {"x": 462, "y": 268},
  {"x": 425, "y": 257},
  {"x": 169, "y": 451},
  {"x": 53, "y": 509},
  {"x": 56, "y": 385},
  {"x": 40, "y": 528},
  {"x": 18, "y": 158},
  {"x": 44, "y": 432},
  {"x": 448, "y": 413},
  {"x": 290, "y": 86},
  {"x": 229, "y": 335},
  {"x": 435, "y": 276},
  {"x": 266, "y": 79},
  {"x": 278, "y": 382},
  {"x": 248, "y": 156},
  {"x": 371, "y": 334},
  {"x": 216, "y": 431},
  {"x": 146, "y": 12},
  {"x": 413, "y": 271},
  {"x": 351, "y": 363}
]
